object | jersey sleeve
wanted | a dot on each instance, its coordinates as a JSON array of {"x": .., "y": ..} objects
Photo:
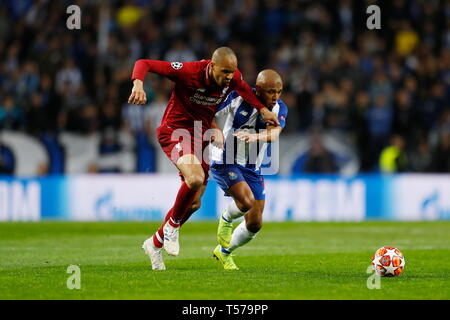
[
  {"x": 282, "y": 113},
  {"x": 244, "y": 90},
  {"x": 172, "y": 70}
]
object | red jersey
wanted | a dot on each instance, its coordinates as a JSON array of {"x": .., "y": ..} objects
[{"x": 195, "y": 96}]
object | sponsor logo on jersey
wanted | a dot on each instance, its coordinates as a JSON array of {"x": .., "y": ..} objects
[{"x": 177, "y": 65}]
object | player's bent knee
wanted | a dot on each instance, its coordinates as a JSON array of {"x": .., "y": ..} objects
[
  {"x": 247, "y": 203},
  {"x": 241, "y": 207},
  {"x": 195, "y": 181},
  {"x": 254, "y": 226}
]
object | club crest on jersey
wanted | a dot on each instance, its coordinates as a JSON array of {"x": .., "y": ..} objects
[
  {"x": 177, "y": 65},
  {"x": 232, "y": 175},
  {"x": 244, "y": 113}
]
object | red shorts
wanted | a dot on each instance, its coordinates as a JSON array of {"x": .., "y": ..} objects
[{"x": 183, "y": 143}]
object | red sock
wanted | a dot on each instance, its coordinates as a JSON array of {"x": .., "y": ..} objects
[
  {"x": 186, "y": 217},
  {"x": 156, "y": 241},
  {"x": 183, "y": 202},
  {"x": 160, "y": 230}
]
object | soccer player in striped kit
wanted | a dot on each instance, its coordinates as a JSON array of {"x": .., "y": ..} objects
[
  {"x": 237, "y": 168},
  {"x": 200, "y": 88}
]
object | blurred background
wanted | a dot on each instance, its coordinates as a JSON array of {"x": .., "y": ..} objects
[{"x": 360, "y": 101}]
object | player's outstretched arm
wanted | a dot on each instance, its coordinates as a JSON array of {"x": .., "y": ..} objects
[
  {"x": 271, "y": 134},
  {"x": 172, "y": 70}
]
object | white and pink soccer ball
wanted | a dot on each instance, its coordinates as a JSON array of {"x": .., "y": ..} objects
[{"x": 388, "y": 262}]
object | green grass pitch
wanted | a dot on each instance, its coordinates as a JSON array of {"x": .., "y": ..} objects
[{"x": 285, "y": 261}]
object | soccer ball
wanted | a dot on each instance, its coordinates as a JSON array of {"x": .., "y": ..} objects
[{"x": 388, "y": 262}]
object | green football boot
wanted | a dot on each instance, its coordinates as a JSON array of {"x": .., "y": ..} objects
[
  {"x": 224, "y": 232},
  {"x": 225, "y": 259}
]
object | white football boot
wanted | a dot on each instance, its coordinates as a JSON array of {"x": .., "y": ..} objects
[
  {"x": 171, "y": 244},
  {"x": 154, "y": 253}
]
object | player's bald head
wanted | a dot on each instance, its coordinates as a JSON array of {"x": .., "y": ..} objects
[
  {"x": 224, "y": 54},
  {"x": 269, "y": 86},
  {"x": 269, "y": 78},
  {"x": 223, "y": 66}
]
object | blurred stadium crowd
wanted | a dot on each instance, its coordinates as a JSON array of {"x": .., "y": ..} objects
[{"x": 383, "y": 93}]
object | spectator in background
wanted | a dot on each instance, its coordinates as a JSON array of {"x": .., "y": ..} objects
[
  {"x": 110, "y": 118},
  {"x": 153, "y": 115},
  {"x": 109, "y": 126},
  {"x": 12, "y": 57},
  {"x": 28, "y": 82},
  {"x": 441, "y": 155},
  {"x": 379, "y": 120},
  {"x": 393, "y": 158},
  {"x": 38, "y": 120},
  {"x": 381, "y": 86},
  {"x": 361, "y": 129},
  {"x": 442, "y": 125},
  {"x": 337, "y": 116},
  {"x": 180, "y": 52},
  {"x": 51, "y": 58},
  {"x": 11, "y": 116},
  {"x": 273, "y": 21},
  {"x": 406, "y": 39},
  {"x": 134, "y": 118},
  {"x": 73, "y": 105},
  {"x": 403, "y": 114},
  {"x": 421, "y": 157},
  {"x": 6, "y": 161},
  {"x": 88, "y": 119},
  {"x": 433, "y": 106},
  {"x": 129, "y": 14},
  {"x": 70, "y": 76},
  {"x": 109, "y": 144},
  {"x": 51, "y": 102},
  {"x": 318, "y": 158},
  {"x": 304, "y": 102},
  {"x": 318, "y": 111}
]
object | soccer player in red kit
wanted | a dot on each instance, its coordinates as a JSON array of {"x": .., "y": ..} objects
[{"x": 200, "y": 87}]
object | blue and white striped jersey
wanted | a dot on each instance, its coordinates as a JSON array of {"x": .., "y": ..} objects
[{"x": 236, "y": 114}]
